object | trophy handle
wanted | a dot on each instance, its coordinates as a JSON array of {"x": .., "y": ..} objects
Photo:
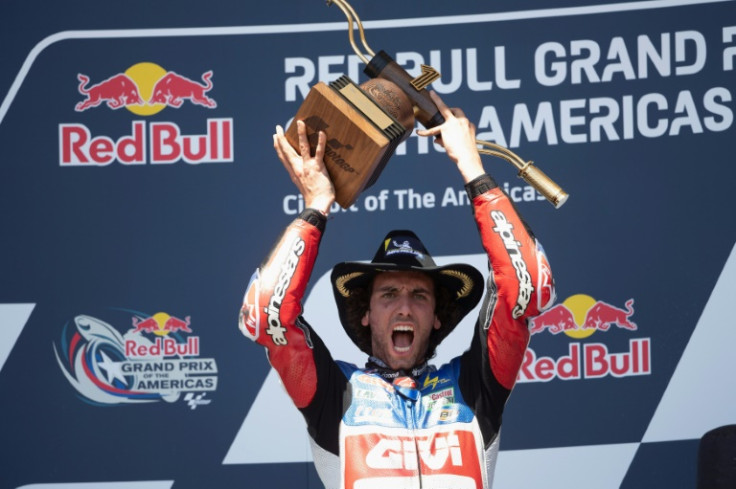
[
  {"x": 381, "y": 65},
  {"x": 530, "y": 173},
  {"x": 352, "y": 17}
]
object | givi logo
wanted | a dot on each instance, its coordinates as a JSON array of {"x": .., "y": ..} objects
[
  {"x": 395, "y": 461},
  {"x": 406, "y": 454}
]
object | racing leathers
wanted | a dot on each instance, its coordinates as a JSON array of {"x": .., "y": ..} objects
[{"x": 431, "y": 427}]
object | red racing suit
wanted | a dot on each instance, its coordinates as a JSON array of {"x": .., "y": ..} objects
[{"x": 371, "y": 427}]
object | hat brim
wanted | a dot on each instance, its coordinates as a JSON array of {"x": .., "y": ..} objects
[{"x": 463, "y": 282}]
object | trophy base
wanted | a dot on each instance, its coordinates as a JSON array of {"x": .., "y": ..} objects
[{"x": 361, "y": 136}]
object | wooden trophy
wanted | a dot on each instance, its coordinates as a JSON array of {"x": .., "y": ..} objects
[{"x": 364, "y": 125}]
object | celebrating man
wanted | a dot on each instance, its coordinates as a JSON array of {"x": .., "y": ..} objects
[{"x": 399, "y": 422}]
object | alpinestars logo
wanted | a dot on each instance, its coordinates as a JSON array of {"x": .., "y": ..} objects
[
  {"x": 152, "y": 361},
  {"x": 505, "y": 230},
  {"x": 275, "y": 329}
]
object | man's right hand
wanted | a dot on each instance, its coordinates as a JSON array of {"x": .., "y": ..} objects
[
  {"x": 308, "y": 172},
  {"x": 457, "y": 136}
]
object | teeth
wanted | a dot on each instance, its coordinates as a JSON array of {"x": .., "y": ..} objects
[{"x": 403, "y": 328}]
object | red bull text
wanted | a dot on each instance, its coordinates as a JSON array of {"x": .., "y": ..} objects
[
  {"x": 162, "y": 347},
  {"x": 588, "y": 361},
  {"x": 163, "y": 143}
]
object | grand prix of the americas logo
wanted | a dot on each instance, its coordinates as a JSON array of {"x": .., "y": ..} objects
[
  {"x": 145, "y": 89},
  {"x": 579, "y": 317},
  {"x": 156, "y": 359}
]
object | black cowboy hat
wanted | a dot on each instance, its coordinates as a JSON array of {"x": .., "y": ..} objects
[{"x": 402, "y": 250}]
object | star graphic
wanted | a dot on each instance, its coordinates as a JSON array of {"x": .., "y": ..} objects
[{"x": 113, "y": 369}]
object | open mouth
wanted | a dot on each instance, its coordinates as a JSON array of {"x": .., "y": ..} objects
[{"x": 402, "y": 337}]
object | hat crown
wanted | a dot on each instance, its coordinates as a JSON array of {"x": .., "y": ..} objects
[{"x": 405, "y": 249}]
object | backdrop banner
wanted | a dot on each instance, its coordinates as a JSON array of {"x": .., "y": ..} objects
[{"x": 140, "y": 190}]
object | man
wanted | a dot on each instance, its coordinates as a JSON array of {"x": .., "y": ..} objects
[{"x": 398, "y": 422}]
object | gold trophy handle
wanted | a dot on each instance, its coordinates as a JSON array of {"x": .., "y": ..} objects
[
  {"x": 381, "y": 65},
  {"x": 544, "y": 185},
  {"x": 530, "y": 173},
  {"x": 352, "y": 18}
]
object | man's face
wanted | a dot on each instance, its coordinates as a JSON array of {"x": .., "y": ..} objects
[{"x": 401, "y": 316}]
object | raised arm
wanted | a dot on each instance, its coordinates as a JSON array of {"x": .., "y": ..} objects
[
  {"x": 308, "y": 172},
  {"x": 520, "y": 282},
  {"x": 457, "y": 136},
  {"x": 272, "y": 304}
]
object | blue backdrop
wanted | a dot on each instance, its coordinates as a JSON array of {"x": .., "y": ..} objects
[{"x": 131, "y": 224}]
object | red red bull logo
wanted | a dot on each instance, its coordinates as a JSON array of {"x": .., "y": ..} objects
[
  {"x": 117, "y": 91},
  {"x": 163, "y": 143},
  {"x": 173, "y": 89},
  {"x": 146, "y": 89},
  {"x": 161, "y": 324},
  {"x": 580, "y": 316},
  {"x": 162, "y": 347}
]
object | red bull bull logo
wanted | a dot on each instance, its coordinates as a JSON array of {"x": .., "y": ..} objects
[
  {"x": 161, "y": 324},
  {"x": 581, "y": 315},
  {"x": 148, "y": 86},
  {"x": 578, "y": 317},
  {"x": 173, "y": 89},
  {"x": 146, "y": 89},
  {"x": 117, "y": 91}
]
